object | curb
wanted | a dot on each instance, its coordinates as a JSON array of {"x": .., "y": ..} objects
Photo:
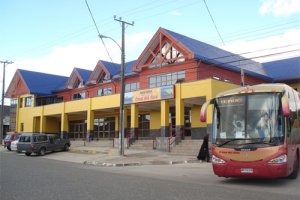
[
  {"x": 104, "y": 164},
  {"x": 95, "y": 163},
  {"x": 85, "y": 151}
]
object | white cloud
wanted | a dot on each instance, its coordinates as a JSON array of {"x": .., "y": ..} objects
[
  {"x": 280, "y": 7},
  {"x": 63, "y": 59},
  {"x": 176, "y": 13},
  {"x": 288, "y": 41}
]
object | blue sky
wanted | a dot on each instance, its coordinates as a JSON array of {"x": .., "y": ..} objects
[{"x": 54, "y": 36}]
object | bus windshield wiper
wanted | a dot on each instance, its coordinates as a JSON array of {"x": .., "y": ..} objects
[
  {"x": 262, "y": 142},
  {"x": 226, "y": 142}
]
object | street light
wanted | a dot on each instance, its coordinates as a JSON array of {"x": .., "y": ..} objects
[
  {"x": 121, "y": 131},
  {"x": 2, "y": 100},
  {"x": 122, "y": 48}
]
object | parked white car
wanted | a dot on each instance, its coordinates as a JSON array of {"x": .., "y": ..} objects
[{"x": 13, "y": 145}]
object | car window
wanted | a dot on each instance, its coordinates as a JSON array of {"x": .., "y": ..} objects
[
  {"x": 42, "y": 138},
  {"x": 17, "y": 137},
  {"x": 7, "y": 137},
  {"x": 24, "y": 138},
  {"x": 51, "y": 139}
]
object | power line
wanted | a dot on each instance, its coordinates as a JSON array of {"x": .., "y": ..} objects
[
  {"x": 249, "y": 52},
  {"x": 98, "y": 30},
  {"x": 213, "y": 22}
]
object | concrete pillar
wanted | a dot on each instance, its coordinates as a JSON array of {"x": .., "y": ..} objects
[
  {"x": 134, "y": 121},
  {"x": 43, "y": 124},
  {"x": 179, "y": 112},
  {"x": 164, "y": 118},
  {"x": 90, "y": 124},
  {"x": 64, "y": 127}
]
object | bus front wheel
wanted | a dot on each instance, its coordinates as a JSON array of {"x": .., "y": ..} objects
[{"x": 295, "y": 172}]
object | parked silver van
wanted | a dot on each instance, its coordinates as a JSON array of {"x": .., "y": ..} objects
[{"x": 41, "y": 143}]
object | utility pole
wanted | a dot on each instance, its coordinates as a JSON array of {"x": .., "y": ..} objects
[
  {"x": 242, "y": 77},
  {"x": 2, "y": 101},
  {"x": 121, "y": 131}
]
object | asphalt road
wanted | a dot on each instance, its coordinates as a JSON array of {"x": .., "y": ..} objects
[{"x": 41, "y": 178}]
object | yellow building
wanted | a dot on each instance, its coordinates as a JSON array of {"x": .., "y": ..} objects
[{"x": 164, "y": 91}]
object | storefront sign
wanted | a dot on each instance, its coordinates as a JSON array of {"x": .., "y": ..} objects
[{"x": 165, "y": 92}]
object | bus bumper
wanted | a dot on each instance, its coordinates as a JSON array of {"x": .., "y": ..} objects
[{"x": 248, "y": 169}]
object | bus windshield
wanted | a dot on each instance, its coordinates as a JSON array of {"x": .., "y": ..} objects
[{"x": 248, "y": 119}]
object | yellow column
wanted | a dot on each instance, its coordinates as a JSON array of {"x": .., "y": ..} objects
[
  {"x": 64, "y": 123},
  {"x": 117, "y": 121},
  {"x": 134, "y": 116},
  {"x": 179, "y": 107},
  {"x": 179, "y": 103},
  {"x": 117, "y": 125},
  {"x": 125, "y": 117},
  {"x": 134, "y": 121},
  {"x": 196, "y": 123},
  {"x": 43, "y": 124},
  {"x": 90, "y": 120},
  {"x": 164, "y": 118}
]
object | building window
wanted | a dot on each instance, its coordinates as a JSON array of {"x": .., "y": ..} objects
[
  {"x": 13, "y": 102},
  {"x": 103, "y": 78},
  {"x": 132, "y": 86},
  {"x": 21, "y": 102},
  {"x": 216, "y": 78},
  {"x": 80, "y": 95},
  {"x": 22, "y": 127},
  {"x": 166, "y": 79},
  {"x": 169, "y": 54},
  {"x": 104, "y": 91},
  {"x": 78, "y": 84},
  {"x": 28, "y": 101}
]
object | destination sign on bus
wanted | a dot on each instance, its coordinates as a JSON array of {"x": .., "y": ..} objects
[{"x": 232, "y": 101}]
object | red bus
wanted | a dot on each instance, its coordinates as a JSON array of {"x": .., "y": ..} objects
[{"x": 255, "y": 131}]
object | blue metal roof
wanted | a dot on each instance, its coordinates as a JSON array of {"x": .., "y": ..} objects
[
  {"x": 214, "y": 55},
  {"x": 85, "y": 74},
  {"x": 114, "y": 68},
  {"x": 283, "y": 70},
  {"x": 42, "y": 84}
]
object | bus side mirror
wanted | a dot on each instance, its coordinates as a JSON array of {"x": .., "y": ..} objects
[
  {"x": 285, "y": 106},
  {"x": 204, "y": 109}
]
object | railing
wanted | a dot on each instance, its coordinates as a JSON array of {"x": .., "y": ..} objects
[
  {"x": 154, "y": 143},
  {"x": 171, "y": 140}
]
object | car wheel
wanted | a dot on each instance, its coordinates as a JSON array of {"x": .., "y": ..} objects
[
  {"x": 27, "y": 154},
  {"x": 67, "y": 147},
  {"x": 42, "y": 152}
]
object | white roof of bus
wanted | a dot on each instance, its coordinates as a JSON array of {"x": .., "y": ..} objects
[{"x": 271, "y": 87}]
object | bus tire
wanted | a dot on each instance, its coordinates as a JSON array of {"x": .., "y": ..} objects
[{"x": 295, "y": 172}]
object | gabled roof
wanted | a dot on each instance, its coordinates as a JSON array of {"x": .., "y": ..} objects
[
  {"x": 214, "y": 55},
  {"x": 153, "y": 49},
  {"x": 84, "y": 74},
  {"x": 38, "y": 83},
  {"x": 78, "y": 74},
  {"x": 283, "y": 70},
  {"x": 112, "y": 68}
]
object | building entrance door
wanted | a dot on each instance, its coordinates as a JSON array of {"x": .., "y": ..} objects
[
  {"x": 104, "y": 128},
  {"x": 77, "y": 129}
]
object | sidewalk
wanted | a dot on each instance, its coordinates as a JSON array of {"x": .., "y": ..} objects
[{"x": 109, "y": 156}]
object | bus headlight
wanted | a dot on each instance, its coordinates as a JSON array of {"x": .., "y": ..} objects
[
  {"x": 215, "y": 159},
  {"x": 279, "y": 160}
]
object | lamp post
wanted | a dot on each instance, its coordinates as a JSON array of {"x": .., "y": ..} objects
[
  {"x": 2, "y": 100},
  {"x": 122, "y": 48}
]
